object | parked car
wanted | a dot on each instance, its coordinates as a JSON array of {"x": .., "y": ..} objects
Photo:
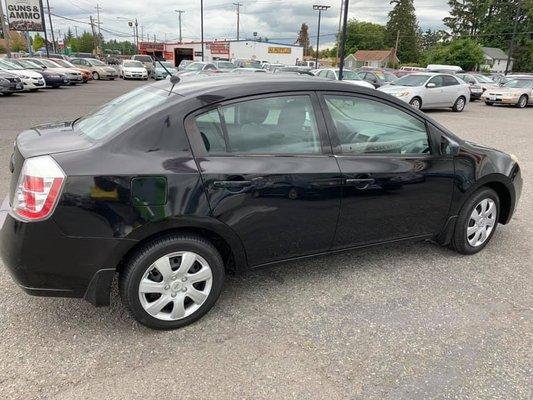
[
  {"x": 478, "y": 84},
  {"x": 57, "y": 56},
  {"x": 147, "y": 61},
  {"x": 348, "y": 76},
  {"x": 224, "y": 66},
  {"x": 408, "y": 70},
  {"x": 247, "y": 63},
  {"x": 272, "y": 66},
  {"x": 74, "y": 76},
  {"x": 430, "y": 90},
  {"x": 131, "y": 69},
  {"x": 82, "y": 55},
  {"x": 52, "y": 79},
  {"x": 444, "y": 68},
  {"x": 86, "y": 75},
  {"x": 183, "y": 64},
  {"x": 161, "y": 73},
  {"x": 517, "y": 92},
  {"x": 172, "y": 185},
  {"x": 10, "y": 83},
  {"x": 99, "y": 70},
  {"x": 293, "y": 69},
  {"x": 198, "y": 68},
  {"x": 31, "y": 80},
  {"x": 377, "y": 78},
  {"x": 248, "y": 70}
]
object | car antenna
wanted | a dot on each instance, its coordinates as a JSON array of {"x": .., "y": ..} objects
[{"x": 174, "y": 79}]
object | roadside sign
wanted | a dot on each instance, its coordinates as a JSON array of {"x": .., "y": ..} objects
[{"x": 25, "y": 15}]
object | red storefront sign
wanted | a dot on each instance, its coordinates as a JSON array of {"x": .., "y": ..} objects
[
  {"x": 149, "y": 47},
  {"x": 219, "y": 48}
]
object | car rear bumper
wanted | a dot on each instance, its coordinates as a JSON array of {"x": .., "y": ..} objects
[{"x": 45, "y": 262}]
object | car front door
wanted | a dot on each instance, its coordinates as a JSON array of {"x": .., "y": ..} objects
[
  {"x": 396, "y": 183},
  {"x": 269, "y": 173},
  {"x": 435, "y": 96}
]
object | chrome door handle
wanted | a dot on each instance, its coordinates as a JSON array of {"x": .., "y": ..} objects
[
  {"x": 231, "y": 184},
  {"x": 362, "y": 183}
]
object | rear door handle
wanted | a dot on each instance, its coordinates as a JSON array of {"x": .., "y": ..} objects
[
  {"x": 231, "y": 184},
  {"x": 360, "y": 183}
]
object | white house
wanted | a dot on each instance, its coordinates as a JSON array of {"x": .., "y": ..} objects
[{"x": 495, "y": 60}]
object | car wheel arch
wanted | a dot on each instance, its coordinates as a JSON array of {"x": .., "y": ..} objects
[{"x": 225, "y": 241}]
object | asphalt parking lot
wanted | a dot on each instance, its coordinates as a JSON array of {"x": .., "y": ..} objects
[{"x": 409, "y": 321}]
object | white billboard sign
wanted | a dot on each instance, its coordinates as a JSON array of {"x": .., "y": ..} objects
[{"x": 25, "y": 15}]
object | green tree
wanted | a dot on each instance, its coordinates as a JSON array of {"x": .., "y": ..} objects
[
  {"x": 465, "y": 52},
  {"x": 467, "y": 16},
  {"x": 403, "y": 22},
  {"x": 431, "y": 38},
  {"x": 303, "y": 38},
  {"x": 38, "y": 42},
  {"x": 362, "y": 35}
]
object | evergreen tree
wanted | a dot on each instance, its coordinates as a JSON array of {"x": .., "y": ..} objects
[
  {"x": 467, "y": 16},
  {"x": 362, "y": 35},
  {"x": 303, "y": 38},
  {"x": 402, "y": 19}
]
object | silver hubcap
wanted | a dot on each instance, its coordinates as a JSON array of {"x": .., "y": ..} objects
[
  {"x": 460, "y": 104},
  {"x": 415, "y": 104},
  {"x": 523, "y": 102},
  {"x": 175, "y": 286},
  {"x": 481, "y": 223}
]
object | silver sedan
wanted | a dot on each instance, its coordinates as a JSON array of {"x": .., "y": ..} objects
[{"x": 430, "y": 90}]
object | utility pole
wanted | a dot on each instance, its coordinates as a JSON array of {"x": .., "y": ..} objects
[
  {"x": 179, "y": 20},
  {"x": 51, "y": 26},
  {"x": 44, "y": 29},
  {"x": 396, "y": 45},
  {"x": 343, "y": 38},
  {"x": 202, "y": 25},
  {"x": 238, "y": 18},
  {"x": 5, "y": 29},
  {"x": 339, "y": 29},
  {"x": 318, "y": 8},
  {"x": 511, "y": 44},
  {"x": 76, "y": 30},
  {"x": 95, "y": 40},
  {"x": 98, "y": 21}
]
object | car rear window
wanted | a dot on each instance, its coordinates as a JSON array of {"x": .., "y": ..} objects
[{"x": 121, "y": 112}]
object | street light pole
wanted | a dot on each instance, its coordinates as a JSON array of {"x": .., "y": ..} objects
[
  {"x": 202, "y": 25},
  {"x": 342, "y": 46},
  {"x": 511, "y": 44},
  {"x": 179, "y": 20},
  {"x": 318, "y": 8}
]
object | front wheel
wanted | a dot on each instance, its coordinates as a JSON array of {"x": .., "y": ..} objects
[
  {"x": 522, "y": 101},
  {"x": 172, "y": 281},
  {"x": 96, "y": 76},
  {"x": 459, "y": 104},
  {"x": 488, "y": 103},
  {"x": 476, "y": 222},
  {"x": 416, "y": 103}
]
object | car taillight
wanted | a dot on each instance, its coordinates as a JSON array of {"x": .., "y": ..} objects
[{"x": 38, "y": 189}]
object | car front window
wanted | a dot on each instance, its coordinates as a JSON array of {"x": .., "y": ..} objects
[
  {"x": 121, "y": 112},
  {"x": 350, "y": 75}
]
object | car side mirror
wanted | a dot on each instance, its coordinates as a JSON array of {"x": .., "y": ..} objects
[
  {"x": 449, "y": 146},
  {"x": 431, "y": 85}
]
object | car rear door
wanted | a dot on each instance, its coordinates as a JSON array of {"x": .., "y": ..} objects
[
  {"x": 396, "y": 183},
  {"x": 269, "y": 173},
  {"x": 452, "y": 89},
  {"x": 436, "y": 96}
]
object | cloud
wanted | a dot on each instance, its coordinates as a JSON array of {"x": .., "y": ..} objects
[{"x": 275, "y": 19}]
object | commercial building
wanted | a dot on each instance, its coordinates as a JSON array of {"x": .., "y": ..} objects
[{"x": 226, "y": 50}]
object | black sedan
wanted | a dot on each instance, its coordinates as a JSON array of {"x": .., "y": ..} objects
[
  {"x": 10, "y": 83},
  {"x": 52, "y": 79},
  {"x": 171, "y": 186}
]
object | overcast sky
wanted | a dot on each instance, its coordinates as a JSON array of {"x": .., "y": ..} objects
[{"x": 274, "y": 19}]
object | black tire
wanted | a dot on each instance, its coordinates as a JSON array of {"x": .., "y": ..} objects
[
  {"x": 459, "y": 104},
  {"x": 96, "y": 76},
  {"x": 137, "y": 265},
  {"x": 489, "y": 103},
  {"x": 7, "y": 94},
  {"x": 459, "y": 241},
  {"x": 416, "y": 102},
  {"x": 522, "y": 101}
]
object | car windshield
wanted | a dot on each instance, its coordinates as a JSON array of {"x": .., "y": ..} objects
[
  {"x": 144, "y": 59},
  {"x": 484, "y": 79},
  {"x": 225, "y": 65},
  {"x": 65, "y": 63},
  {"x": 133, "y": 64},
  {"x": 519, "y": 83},
  {"x": 28, "y": 64},
  {"x": 9, "y": 65},
  {"x": 167, "y": 64},
  {"x": 120, "y": 112},
  {"x": 50, "y": 63},
  {"x": 411, "y": 80},
  {"x": 195, "y": 66},
  {"x": 95, "y": 62},
  {"x": 350, "y": 76}
]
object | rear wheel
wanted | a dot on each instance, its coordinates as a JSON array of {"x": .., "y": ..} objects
[
  {"x": 416, "y": 102},
  {"x": 459, "y": 104},
  {"x": 172, "y": 281},
  {"x": 476, "y": 222},
  {"x": 522, "y": 101}
]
